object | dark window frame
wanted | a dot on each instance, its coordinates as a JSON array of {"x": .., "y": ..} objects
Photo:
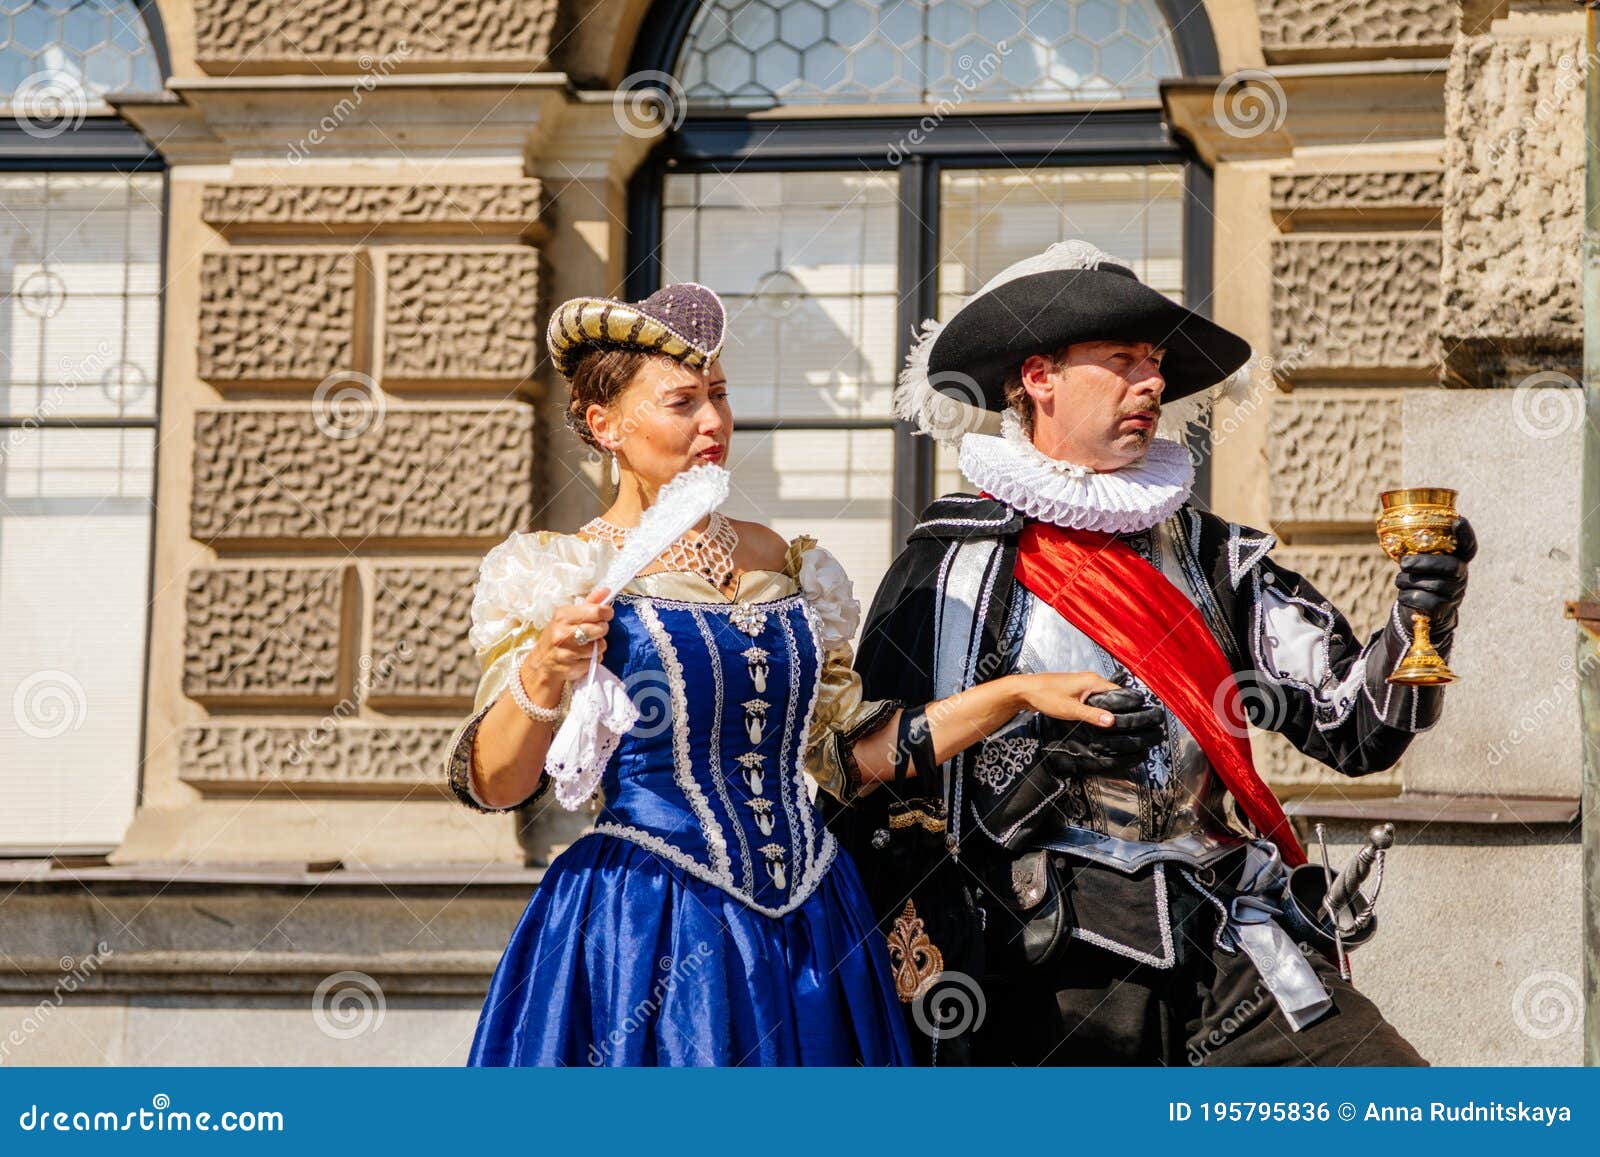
[
  {"x": 105, "y": 143},
  {"x": 728, "y": 142}
]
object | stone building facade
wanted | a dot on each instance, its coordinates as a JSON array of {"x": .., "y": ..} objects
[{"x": 365, "y": 211}]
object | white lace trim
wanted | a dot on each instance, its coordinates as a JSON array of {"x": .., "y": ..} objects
[
  {"x": 802, "y": 889},
  {"x": 683, "y": 767},
  {"x": 600, "y": 714},
  {"x": 1074, "y": 497}
]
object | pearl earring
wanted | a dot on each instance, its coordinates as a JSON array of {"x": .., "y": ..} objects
[{"x": 616, "y": 471}]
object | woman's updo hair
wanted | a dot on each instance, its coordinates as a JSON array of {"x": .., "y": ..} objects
[{"x": 601, "y": 374}]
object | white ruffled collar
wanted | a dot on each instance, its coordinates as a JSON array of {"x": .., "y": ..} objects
[{"x": 1074, "y": 497}]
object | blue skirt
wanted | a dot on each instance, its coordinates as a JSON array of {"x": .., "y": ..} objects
[{"x": 624, "y": 959}]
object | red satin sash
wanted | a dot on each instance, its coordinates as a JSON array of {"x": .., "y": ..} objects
[{"x": 1100, "y": 585}]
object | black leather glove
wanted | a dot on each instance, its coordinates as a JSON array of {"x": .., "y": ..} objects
[
  {"x": 1023, "y": 808},
  {"x": 1071, "y": 747},
  {"x": 1435, "y": 584}
]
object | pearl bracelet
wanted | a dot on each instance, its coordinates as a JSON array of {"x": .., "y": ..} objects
[{"x": 531, "y": 709}]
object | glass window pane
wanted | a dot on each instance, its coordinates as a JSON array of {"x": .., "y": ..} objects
[
  {"x": 80, "y": 290},
  {"x": 759, "y": 53},
  {"x": 75, "y": 524},
  {"x": 990, "y": 218},
  {"x": 59, "y": 58},
  {"x": 834, "y": 485},
  {"x": 806, "y": 264}
]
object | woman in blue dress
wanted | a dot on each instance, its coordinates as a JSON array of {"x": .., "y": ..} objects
[{"x": 709, "y": 918}]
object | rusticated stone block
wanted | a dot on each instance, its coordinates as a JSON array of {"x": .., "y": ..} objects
[
  {"x": 1358, "y": 580},
  {"x": 245, "y": 36},
  {"x": 458, "y": 474},
  {"x": 276, "y": 315},
  {"x": 1359, "y": 304},
  {"x": 1331, "y": 456},
  {"x": 1513, "y": 213},
  {"x": 1282, "y": 766},
  {"x": 363, "y": 209},
  {"x": 460, "y": 313},
  {"x": 1389, "y": 195},
  {"x": 420, "y": 616},
  {"x": 326, "y": 756},
  {"x": 264, "y": 632},
  {"x": 1302, "y": 29}
]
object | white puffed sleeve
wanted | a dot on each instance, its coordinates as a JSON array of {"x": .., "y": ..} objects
[
  {"x": 520, "y": 584},
  {"x": 842, "y": 716}
]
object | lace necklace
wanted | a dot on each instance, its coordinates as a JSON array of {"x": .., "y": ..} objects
[{"x": 709, "y": 554}]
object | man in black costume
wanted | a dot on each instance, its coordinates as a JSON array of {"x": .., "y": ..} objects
[{"x": 1119, "y": 888}]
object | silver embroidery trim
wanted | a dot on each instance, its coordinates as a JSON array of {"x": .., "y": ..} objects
[
  {"x": 802, "y": 797},
  {"x": 683, "y": 770},
  {"x": 1000, "y": 761},
  {"x": 712, "y": 608},
  {"x": 995, "y": 522},
  {"x": 1169, "y": 955},
  {"x": 1188, "y": 538},
  {"x": 1239, "y": 562},
  {"x": 1222, "y": 938},
  {"x": 802, "y": 890},
  {"x": 717, "y": 779},
  {"x": 1329, "y": 709}
]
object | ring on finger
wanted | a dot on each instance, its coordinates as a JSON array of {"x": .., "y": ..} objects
[{"x": 581, "y": 636}]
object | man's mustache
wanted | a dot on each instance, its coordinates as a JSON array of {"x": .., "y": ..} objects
[{"x": 1147, "y": 408}]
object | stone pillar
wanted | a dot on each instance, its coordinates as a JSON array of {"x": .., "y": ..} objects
[{"x": 359, "y": 264}]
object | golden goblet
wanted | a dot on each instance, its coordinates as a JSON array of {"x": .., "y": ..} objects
[{"x": 1419, "y": 520}]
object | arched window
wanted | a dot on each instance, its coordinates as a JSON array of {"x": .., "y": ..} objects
[
  {"x": 80, "y": 323},
  {"x": 73, "y": 52},
  {"x": 840, "y": 170},
  {"x": 760, "y": 53}
]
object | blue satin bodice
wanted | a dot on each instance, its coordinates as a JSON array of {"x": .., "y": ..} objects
[{"x": 712, "y": 777}]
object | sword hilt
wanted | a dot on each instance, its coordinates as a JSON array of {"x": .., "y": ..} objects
[{"x": 1348, "y": 883}]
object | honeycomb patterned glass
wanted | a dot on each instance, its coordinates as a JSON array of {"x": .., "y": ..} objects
[
  {"x": 67, "y": 54},
  {"x": 761, "y": 53}
]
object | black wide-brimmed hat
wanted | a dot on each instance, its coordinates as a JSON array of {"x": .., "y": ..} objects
[
  {"x": 1072, "y": 292},
  {"x": 685, "y": 322}
]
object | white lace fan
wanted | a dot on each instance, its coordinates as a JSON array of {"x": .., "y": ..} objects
[{"x": 601, "y": 712}]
